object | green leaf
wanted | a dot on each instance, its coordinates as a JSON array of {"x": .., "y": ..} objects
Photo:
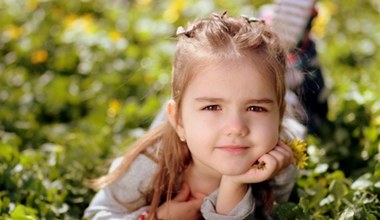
[
  {"x": 371, "y": 217},
  {"x": 8, "y": 151},
  {"x": 22, "y": 212}
]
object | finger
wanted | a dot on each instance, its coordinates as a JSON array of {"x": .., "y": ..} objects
[
  {"x": 283, "y": 150},
  {"x": 280, "y": 159},
  {"x": 282, "y": 155},
  {"x": 284, "y": 146},
  {"x": 183, "y": 194},
  {"x": 270, "y": 162},
  {"x": 277, "y": 154},
  {"x": 196, "y": 202},
  {"x": 199, "y": 195},
  {"x": 258, "y": 175},
  {"x": 281, "y": 146}
]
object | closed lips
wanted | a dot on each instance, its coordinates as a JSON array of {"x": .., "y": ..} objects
[{"x": 233, "y": 148}]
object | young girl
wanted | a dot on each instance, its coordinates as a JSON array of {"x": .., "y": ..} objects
[{"x": 219, "y": 155}]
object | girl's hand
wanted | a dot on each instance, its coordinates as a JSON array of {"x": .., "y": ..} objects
[
  {"x": 233, "y": 188},
  {"x": 274, "y": 161},
  {"x": 184, "y": 204}
]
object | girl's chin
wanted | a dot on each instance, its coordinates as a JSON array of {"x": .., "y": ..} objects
[{"x": 234, "y": 171}]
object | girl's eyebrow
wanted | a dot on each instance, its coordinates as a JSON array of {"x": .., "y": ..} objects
[
  {"x": 261, "y": 101},
  {"x": 212, "y": 99},
  {"x": 209, "y": 99}
]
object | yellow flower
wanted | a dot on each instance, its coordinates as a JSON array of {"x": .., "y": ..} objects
[
  {"x": 115, "y": 36},
  {"x": 173, "y": 12},
  {"x": 14, "y": 32},
  {"x": 144, "y": 3},
  {"x": 325, "y": 10},
  {"x": 32, "y": 4},
  {"x": 299, "y": 151},
  {"x": 84, "y": 23},
  {"x": 39, "y": 56},
  {"x": 113, "y": 108}
]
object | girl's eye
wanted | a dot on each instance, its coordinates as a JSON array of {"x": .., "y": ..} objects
[
  {"x": 257, "y": 109},
  {"x": 212, "y": 108}
]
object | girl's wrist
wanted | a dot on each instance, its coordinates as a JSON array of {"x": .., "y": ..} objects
[
  {"x": 230, "y": 194},
  {"x": 230, "y": 184}
]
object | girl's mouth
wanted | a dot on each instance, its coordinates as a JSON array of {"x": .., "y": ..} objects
[{"x": 233, "y": 149}]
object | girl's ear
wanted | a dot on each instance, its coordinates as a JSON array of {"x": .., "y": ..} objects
[
  {"x": 175, "y": 121},
  {"x": 171, "y": 111}
]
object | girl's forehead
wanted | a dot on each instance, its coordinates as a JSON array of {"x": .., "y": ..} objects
[
  {"x": 233, "y": 66},
  {"x": 232, "y": 76},
  {"x": 210, "y": 63}
]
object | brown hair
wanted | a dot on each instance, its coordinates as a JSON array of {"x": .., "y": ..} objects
[{"x": 218, "y": 37}]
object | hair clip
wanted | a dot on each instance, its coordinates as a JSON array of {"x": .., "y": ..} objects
[
  {"x": 252, "y": 19},
  {"x": 180, "y": 30},
  {"x": 216, "y": 16},
  {"x": 188, "y": 33}
]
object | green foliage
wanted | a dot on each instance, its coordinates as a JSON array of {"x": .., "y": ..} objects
[
  {"x": 332, "y": 196},
  {"x": 81, "y": 79}
]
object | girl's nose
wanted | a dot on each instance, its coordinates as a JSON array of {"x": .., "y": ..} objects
[{"x": 236, "y": 126}]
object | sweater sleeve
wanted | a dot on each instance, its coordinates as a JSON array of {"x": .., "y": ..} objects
[
  {"x": 283, "y": 183},
  {"x": 243, "y": 209},
  {"x": 124, "y": 198}
]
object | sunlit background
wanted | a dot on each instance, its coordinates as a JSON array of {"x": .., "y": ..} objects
[{"x": 81, "y": 79}]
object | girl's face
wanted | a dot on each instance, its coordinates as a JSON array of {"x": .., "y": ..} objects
[{"x": 230, "y": 117}]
